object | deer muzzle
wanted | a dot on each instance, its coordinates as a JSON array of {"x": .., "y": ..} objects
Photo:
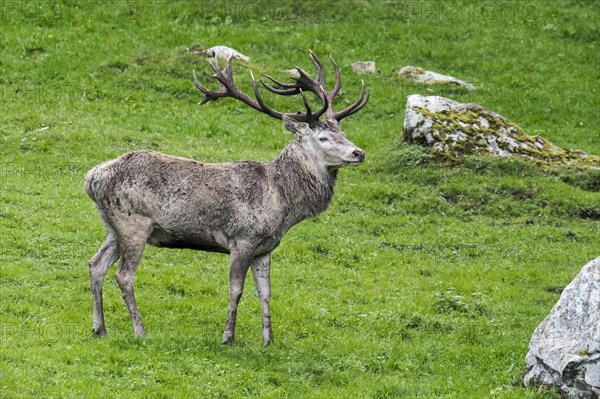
[{"x": 358, "y": 156}]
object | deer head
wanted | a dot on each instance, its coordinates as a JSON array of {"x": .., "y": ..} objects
[{"x": 321, "y": 138}]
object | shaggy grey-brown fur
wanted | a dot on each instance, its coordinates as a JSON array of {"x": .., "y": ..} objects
[{"x": 240, "y": 208}]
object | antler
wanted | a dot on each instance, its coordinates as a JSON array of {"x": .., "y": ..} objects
[
  {"x": 229, "y": 89},
  {"x": 301, "y": 84},
  {"x": 304, "y": 82}
]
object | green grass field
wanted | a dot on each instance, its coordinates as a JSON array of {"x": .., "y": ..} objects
[{"x": 422, "y": 280}]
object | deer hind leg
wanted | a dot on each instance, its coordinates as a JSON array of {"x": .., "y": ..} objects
[
  {"x": 261, "y": 270},
  {"x": 131, "y": 249},
  {"x": 239, "y": 263},
  {"x": 106, "y": 256}
]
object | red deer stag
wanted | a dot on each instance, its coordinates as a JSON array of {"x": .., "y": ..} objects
[{"x": 240, "y": 208}]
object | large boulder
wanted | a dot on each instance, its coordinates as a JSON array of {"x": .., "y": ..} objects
[
  {"x": 564, "y": 351},
  {"x": 420, "y": 75},
  {"x": 452, "y": 129}
]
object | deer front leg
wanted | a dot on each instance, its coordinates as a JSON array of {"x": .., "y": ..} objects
[
  {"x": 238, "y": 267},
  {"x": 261, "y": 270}
]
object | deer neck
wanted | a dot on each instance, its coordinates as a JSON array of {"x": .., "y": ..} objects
[{"x": 306, "y": 187}]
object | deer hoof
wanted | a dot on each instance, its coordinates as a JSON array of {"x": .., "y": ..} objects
[
  {"x": 99, "y": 331},
  {"x": 268, "y": 337},
  {"x": 227, "y": 340}
]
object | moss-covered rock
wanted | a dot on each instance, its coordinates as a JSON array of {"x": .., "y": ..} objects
[{"x": 452, "y": 129}]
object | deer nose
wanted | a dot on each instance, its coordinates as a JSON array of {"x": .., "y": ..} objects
[{"x": 358, "y": 154}]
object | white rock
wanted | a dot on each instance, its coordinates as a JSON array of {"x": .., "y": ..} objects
[
  {"x": 223, "y": 52},
  {"x": 364, "y": 67},
  {"x": 420, "y": 75},
  {"x": 564, "y": 350}
]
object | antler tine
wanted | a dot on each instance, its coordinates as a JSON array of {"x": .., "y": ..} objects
[
  {"x": 228, "y": 69},
  {"x": 357, "y": 106},
  {"x": 306, "y": 105},
  {"x": 214, "y": 64},
  {"x": 209, "y": 95},
  {"x": 198, "y": 84},
  {"x": 317, "y": 115},
  {"x": 304, "y": 77},
  {"x": 283, "y": 92},
  {"x": 338, "y": 81},
  {"x": 319, "y": 69},
  {"x": 285, "y": 89},
  {"x": 263, "y": 107},
  {"x": 224, "y": 76},
  {"x": 280, "y": 84}
]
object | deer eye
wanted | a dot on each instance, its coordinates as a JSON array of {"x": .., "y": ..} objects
[{"x": 323, "y": 139}]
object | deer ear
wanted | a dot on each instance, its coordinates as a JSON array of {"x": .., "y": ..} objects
[{"x": 296, "y": 128}]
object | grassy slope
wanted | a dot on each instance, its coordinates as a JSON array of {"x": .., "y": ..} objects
[{"x": 420, "y": 280}]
